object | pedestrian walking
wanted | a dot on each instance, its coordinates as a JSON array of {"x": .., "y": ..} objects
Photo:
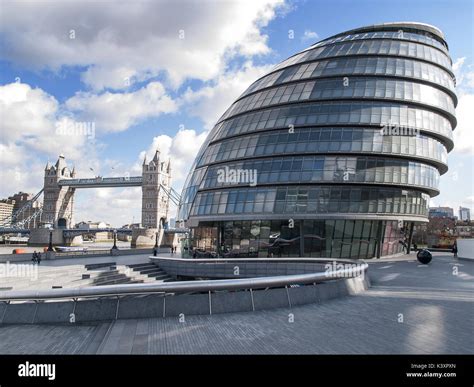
[{"x": 455, "y": 250}]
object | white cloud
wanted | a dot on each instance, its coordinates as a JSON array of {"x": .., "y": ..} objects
[
  {"x": 112, "y": 50},
  {"x": 464, "y": 134},
  {"x": 25, "y": 111},
  {"x": 115, "y": 112},
  {"x": 29, "y": 121},
  {"x": 115, "y": 78},
  {"x": 464, "y": 74},
  {"x": 25, "y": 176},
  {"x": 210, "y": 102},
  {"x": 309, "y": 35},
  {"x": 181, "y": 39},
  {"x": 469, "y": 200},
  {"x": 11, "y": 154},
  {"x": 457, "y": 66},
  {"x": 113, "y": 205}
]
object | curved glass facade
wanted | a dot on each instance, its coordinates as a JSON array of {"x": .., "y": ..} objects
[
  {"x": 300, "y": 199},
  {"x": 354, "y": 88},
  {"x": 403, "y": 35},
  {"x": 335, "y": 153},
  {"x": 370, "y": 66},
  {"x": 380, "y": 47},
  {"x": 326, "y": 140},
  {"x": 342, "y": 113},
  {"x": 327, "y": 169}
]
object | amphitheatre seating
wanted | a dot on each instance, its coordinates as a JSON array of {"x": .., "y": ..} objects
[{"x": 41, "y": 277}]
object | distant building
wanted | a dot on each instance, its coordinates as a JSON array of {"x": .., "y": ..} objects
[
  {"x": 58, "y": 199},
  {"x": 21, "y": 200},
  {"x": 441, "y": 212},
  {"x": 89, "y": 225},
  {"x": 464, "y": 214},
  {"x": 172, "y": 223},
  {"x": 6, "y": 211},
  {"x": 155, "y": 201},
  {"x": 97, "y": 236},
  {"x": 465, "y": 231},
  {"x": 131, "y": 225},
  {"x": 441, "y": 231}
]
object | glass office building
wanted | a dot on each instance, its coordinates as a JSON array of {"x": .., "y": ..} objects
[{"x": 334, "y": 153}]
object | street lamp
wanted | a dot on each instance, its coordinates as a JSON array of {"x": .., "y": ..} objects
[
  {"x": 114, "y": 247},
  {"x": 50, "y": 245}
]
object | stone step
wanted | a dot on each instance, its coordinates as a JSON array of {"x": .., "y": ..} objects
[
  {"x": 102, "y": 265},
  {"x": 138, "y": 266},
  {"x": 159, "y": 276},
  {"x": 151, "y": 270},
  {"x": 109, "y": 276},
  {"x": 125, "y": 280}
]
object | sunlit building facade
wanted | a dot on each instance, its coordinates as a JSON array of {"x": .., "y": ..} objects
[{"x": 334, "y": 153}]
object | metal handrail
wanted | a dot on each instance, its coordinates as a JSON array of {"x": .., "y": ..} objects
[{"x": 181, "y": 286}]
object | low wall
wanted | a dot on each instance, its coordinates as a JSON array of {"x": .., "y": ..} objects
[
  {"x": 159, "y": 305},
  {"x": 245, "y": 268},
  {"x": 465, "y": 248},
  {"x": 144, "y": 237},
  {"x": 78, "y": 254},
  {"x": 16, "y": 257},
  {"x": 223, "y": 270},
  {"x": 40, "y": 237}
]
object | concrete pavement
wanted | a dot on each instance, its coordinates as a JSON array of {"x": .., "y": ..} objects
[{"x": 411, "y": 308}]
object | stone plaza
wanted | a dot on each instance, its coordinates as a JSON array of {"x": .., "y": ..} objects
[{"x": 409, "y": 309}]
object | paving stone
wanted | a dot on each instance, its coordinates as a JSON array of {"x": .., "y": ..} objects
[{"x": 437, "y": 309}]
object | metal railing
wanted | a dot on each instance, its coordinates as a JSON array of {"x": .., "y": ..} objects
[
  {"x": 280, "y": 260},
  {"x": 81, "y": 253},
  {"x": 183, "y": 286}
]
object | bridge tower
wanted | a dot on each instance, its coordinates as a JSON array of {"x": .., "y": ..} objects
[
  {"x": 58, "y": 200},
  {"x": 155, "y": 201}
]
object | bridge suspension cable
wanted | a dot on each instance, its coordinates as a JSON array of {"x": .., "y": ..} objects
[
  {"x": 174, "y": 196},
  {"x": 12, "y": 220}
]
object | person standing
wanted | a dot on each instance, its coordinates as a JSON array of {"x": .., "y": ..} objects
[
  {"x": 38, "y": 258},
  {"x": 35, "y": 257},
  {"x": 455, "y": 250}
]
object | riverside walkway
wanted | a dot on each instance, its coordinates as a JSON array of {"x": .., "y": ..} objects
[{"x": 410, "y": 309}]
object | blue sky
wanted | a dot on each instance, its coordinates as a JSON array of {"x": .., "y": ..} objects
[{"x": 159, "y": 74}]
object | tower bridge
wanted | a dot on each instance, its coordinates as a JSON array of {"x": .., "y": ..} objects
[
  {"x": 61, "y": 183},
  {"x": 102, "y": 182}
]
